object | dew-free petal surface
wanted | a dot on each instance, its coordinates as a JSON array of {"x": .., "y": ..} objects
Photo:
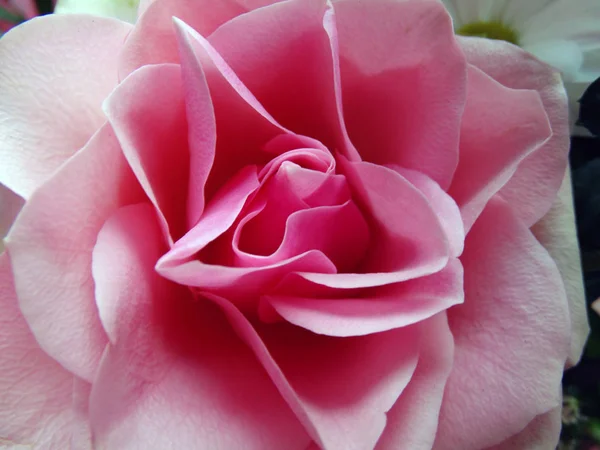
[
  {"x": 177, "y": 376},
  {"x": 56, "y": 71},
  {"x": 512, "y": 335},
  {"x": 51, "y": 246},
  {"x": 35, "y": 391}
]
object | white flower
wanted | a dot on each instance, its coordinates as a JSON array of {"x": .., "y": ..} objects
[
  {"x": 121, "y": 9},
  {"x": 563, "y": 33}
]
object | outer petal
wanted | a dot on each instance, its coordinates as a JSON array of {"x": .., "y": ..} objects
[
  {"x": 49, "y": 110},
  {"x": 177, "y": 377},
  {"x": 532, "y": 189},
  {"x": 511, "y": 334},
  {"x": 51, "y": 251},
  {"x": 556, "y": 231},
  {"x": 35, "y": 391},
  {"x": 500, "y": 128},
  {"x": 403, "y": 84},
  {"x": 308, "y": 370},
  {"x": 413, "y": 420},
  {"x": 542, "y": 433}
]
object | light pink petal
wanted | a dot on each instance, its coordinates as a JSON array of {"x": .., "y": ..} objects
[
  {"x": 153, "y": 39},
  {"x": 408, "y": 240},
  {"x": 413, "y": 420},
  {"x": 542, "y": 433},
  {"x": 286, "y": 54},
  {"x": 51, "y": 247},
  {"x": 10, "y": 205},
  {"x": 500, "y": 128},
  {"x": 177, "y": 376},
  {"x": 512, "y": 335},
  {"x": 533, "y": 188},
  {"x": 35, "y": 391},
  {"x": 340, "y": 389},
  {"x": 81, "y": 438},
  {"x": 27, "y": 8},
  {"x": 444, "y": 206},
  {"x": 382, "y": 309},
  {"x": 147, "y": 111},
  {"x": 55, "y": 72},
  {"x": 558, "y": 234},
  {"x": 403, "y": 84}
]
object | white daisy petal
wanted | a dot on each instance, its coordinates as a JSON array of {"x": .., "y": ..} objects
[
  {"x": 577, "y": 20},
  {"x": 565, "y": 55},
  {"x": 516, "y": 12},
  {"x": 469, "y": 11},
  {"x": 590, "y": 70}
]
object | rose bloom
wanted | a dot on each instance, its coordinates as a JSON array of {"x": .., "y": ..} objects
[{"x": 296, "y": 225}]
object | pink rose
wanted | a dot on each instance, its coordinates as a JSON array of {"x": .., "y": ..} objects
[{"x": 279, "y": 226}]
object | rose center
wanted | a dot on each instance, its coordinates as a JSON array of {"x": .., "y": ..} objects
[{"x": 490, "y": 30}]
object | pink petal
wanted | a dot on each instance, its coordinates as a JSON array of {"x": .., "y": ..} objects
[
  {"x": 153, "y": 40},
  {"x": 177, "y": 376},
  {"x": 147, "y": 112},
  {"x": 413, "y": 420},
  {"x": 382, "y": 309},
  {"x": 286, "y": 54},
  {"x": 408, "y": 240},
  {"x": 51, "y": 247},
  {"x": 443, "y": 204},
  {"x": 511, "y": 334},
  {"x": 35, "y": 391},
  {"x": 219, "y": 216},
  {"x": 542, "y": 433},
  {"x": 244, "y": 126},
  {"x": 403, "y": 86},
  {"x": 500, "y": 128},
  {"x": 81, "y": 438},
  {"x": 558, "y": 234},
  {"x": 533, "y": 188},
  {"x": 308, "y": 370},
  {"x": 49, "y": 110}
]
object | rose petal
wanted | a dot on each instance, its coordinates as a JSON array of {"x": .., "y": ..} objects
[
  {"x": 557, "y": 233},
  {"x": 35, "y": 391},
  {"x": 413, "y": 420},
  {"x": 50, "y": 110},
  {"x": 490, "y": 155},
  {"x": 532, "y": 189},
  {"x": 511, "y": 334},
  {"x": 147, "y": 112},
  {"x": 286, "y": 54},
  {"x": 244, "y": 126},
  {"x": 403, "y": 84},
  {"x": 81, "y": 438},
  {"x": 307, "y": 370},
  {"x": 51, "y": 247},
  {"x": 153, "y": 39},
  {"x": 408, "y": 240},
  {"x": 542, "y": 433},
  {"x": 177, "y": 376},
  {"x": 444, "y": 206},
  {"x": 383, "y": 309}
]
